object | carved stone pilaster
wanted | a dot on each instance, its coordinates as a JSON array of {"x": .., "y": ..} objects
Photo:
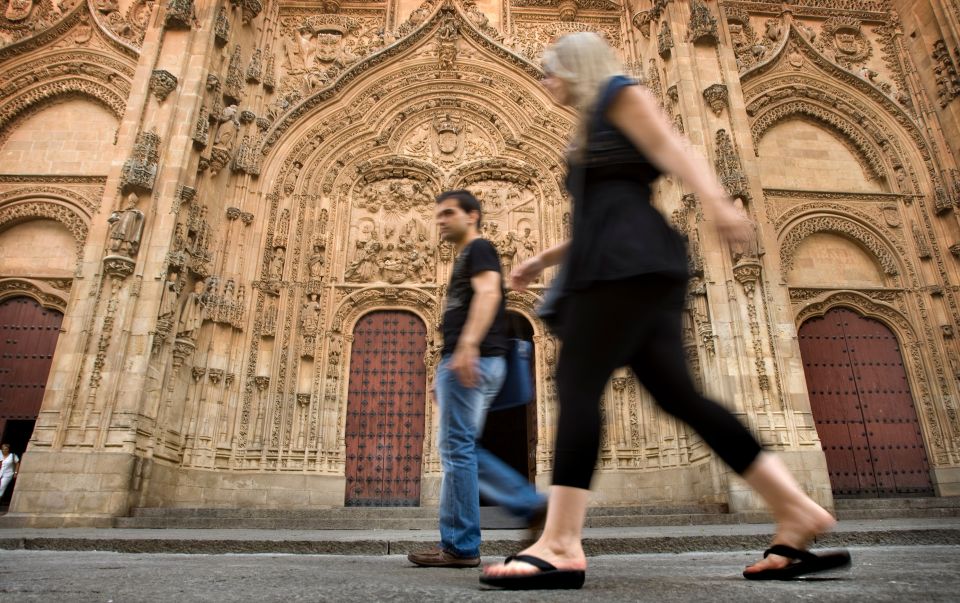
[
  {"x": 233, "y": 86},
  {"x": 201, "y": 130},
  {"x": 945, "y": 73},
  {"x": 703, "y": 25},
  {"x": 140, "y": 170},
  {"x": 221, "y": 28},
  {"x": 664, "y": 40},
  {"x": 162, "y": 83},
  {"x": 255, "y": 68},
  {"x": 270, "y": 71},
  {"x": 179, "y": 14},
  {"x": 729, "y": 169}
]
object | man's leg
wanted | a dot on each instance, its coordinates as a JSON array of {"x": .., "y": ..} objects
[
  {"x": 499, "y": 482},
  {"x": 505, "y": 487},
  {"x": 461, "y": 410}
]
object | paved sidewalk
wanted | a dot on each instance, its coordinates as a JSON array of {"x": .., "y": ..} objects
[
  {"x": 597, "y": 541},
  {"x": 879, "y": 574}
]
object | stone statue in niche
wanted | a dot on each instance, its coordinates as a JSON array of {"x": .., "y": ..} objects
[
  {"x": 507, "y": 250},
  {"x": 126, "y": 227},
  {"x": 316, "y": 260},
  {"x": 310, "y": 314},
  {"x": 193, "y": 312},
  {"x": 276, "y": 264},
  {"x": 171, "y": 291},
  {"x": 229, "y": 127}
]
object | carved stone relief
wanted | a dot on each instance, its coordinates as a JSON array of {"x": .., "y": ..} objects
[{"x": 390, "y": 239}]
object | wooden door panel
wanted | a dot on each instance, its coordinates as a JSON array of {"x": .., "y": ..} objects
[
  {"x": 866, "y": 389},
  {"x": 28, "y": 338},
  {"x": 385, "y": 410}
]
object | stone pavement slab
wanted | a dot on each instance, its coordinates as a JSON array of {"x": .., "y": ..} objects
[
  {"x": 597, "y": 541},
  {"x": 879, "y": 574}
]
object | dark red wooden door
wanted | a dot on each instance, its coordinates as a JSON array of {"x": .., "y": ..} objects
[
  {"x": 385, "y": 410},
  {"x": 28, "y": 337},
  {"x": 862, "y": 406}
]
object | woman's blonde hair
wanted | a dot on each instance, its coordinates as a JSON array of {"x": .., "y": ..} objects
[{"x": 584, "y": 61}]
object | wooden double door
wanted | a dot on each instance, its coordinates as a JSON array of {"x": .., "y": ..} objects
[{"x": 863, "y": 408}]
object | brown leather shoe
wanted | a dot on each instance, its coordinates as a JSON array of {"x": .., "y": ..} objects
[{"x": 437, "y": 557}]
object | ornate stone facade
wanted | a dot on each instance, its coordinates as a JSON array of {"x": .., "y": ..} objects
[{"x": 272, "y": 179}]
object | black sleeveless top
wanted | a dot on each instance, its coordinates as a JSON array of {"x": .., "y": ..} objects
[{"x": 617, "y": 234}]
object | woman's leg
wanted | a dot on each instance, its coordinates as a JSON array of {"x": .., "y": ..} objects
[
  {"x": 661, "y": 367},
  {"x": 599, "y": 335}
]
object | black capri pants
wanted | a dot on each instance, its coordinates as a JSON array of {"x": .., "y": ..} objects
[{"x": 635, "y": 322}]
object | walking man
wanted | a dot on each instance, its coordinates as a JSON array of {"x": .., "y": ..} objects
[{"x": 469, "y": 376}]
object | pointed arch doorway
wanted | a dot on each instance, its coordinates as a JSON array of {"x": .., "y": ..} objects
[
  {"x": 385, "y": 410},
  {"x": 862, "y": 406}
]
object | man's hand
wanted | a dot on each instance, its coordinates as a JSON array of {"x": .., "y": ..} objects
[{"x": 463, "y": 363}]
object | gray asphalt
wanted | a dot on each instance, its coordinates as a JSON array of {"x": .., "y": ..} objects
[{"x": 918, "y": 573}]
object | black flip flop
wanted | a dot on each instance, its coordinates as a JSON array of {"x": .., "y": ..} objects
[
  {"x": 548, "y": 578},
  {"x": 802, "y": 563}
]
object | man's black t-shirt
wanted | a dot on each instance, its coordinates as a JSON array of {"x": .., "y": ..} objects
[{"x": 478, "y": 256}]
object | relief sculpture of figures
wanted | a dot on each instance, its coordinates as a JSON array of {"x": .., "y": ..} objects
[{"x": 126, "y": 227}]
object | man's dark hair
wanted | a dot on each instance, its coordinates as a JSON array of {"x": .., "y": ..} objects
[{"x": 465, "y": 200}]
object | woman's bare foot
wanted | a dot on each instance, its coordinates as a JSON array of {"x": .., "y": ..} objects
[
  {"x": 797, "y": 527},
  {"x": 564, "y": 557}
]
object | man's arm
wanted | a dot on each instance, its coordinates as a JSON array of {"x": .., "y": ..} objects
[{"x": 483, "y": 309}]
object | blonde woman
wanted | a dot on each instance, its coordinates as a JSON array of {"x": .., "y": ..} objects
[{"x": 625, "y": 274}]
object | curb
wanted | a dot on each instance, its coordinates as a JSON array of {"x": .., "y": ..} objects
[{"x": 494, "y": 546}]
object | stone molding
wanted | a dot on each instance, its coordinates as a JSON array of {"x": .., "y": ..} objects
[{"x": 39, "y": 290}]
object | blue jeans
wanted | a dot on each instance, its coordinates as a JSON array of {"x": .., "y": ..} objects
[{"x": 468, "y": 469}]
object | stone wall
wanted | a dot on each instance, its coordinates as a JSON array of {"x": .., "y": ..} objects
[{"x": 244, "y": 180}]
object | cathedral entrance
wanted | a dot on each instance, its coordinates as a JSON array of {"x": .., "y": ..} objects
[
  {"x": 385, "y": 410},
  {"x": 28, "y": 338},
  {"x": 511, "y": 434},
  {"x": 862, "y": 406}
]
